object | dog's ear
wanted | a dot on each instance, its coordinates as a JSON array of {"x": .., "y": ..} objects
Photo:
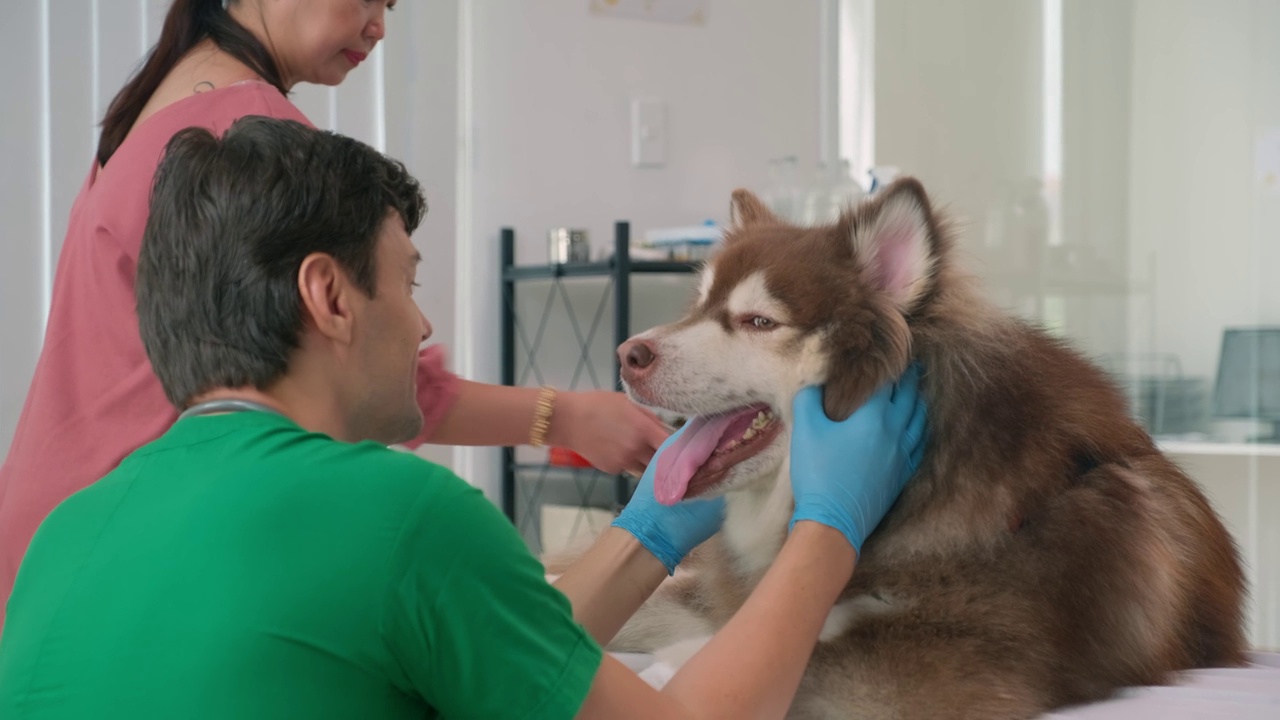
[
  {"x": 894, "y": 241},
  {"x": 746, "y": 209},
  {"x": 863, "y": 357},
  {"x": 896, "y": 248}
]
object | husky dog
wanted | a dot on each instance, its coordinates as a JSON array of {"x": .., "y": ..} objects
[{"x": 1045, "y": 553}]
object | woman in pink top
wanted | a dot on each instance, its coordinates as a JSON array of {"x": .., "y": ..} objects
[{"x": 94, "y": 399}]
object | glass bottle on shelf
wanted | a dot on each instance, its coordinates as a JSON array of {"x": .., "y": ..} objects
[
  {"x": 783, "y": 195},
  {"x": 833, "y": 190}
]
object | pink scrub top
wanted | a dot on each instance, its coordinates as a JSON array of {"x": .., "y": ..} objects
[{"x": 94, "y": 399}]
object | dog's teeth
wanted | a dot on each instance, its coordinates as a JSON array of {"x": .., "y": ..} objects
[
  {"x": 750, "y": 433},
  {"x": 761, "y": 420}
]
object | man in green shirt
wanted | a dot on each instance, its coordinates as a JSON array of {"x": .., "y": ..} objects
[
  {"x": 358, "y": 600},
  {"x": 269, "y": 556}
]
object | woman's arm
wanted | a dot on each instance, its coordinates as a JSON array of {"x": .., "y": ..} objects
[
  {"x": 753, "y": 666},
  {"x": 611, "y": 432},
  {"x": 486, "y": 414}
]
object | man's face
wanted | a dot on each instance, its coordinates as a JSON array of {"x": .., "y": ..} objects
[{"x": 390, "y": 330}]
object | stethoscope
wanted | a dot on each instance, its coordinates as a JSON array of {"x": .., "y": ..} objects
[{"x": 210, "y": 407}]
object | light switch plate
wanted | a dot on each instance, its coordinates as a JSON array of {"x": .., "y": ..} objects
[{"x": 648, "y": 132}]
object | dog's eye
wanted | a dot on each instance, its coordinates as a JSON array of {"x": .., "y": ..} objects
[{"x": 760, "y": 322}]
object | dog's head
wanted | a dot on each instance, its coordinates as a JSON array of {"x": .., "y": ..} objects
[{"x": 780, "y": 307}]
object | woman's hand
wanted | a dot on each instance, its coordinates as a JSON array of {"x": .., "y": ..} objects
[{"x": 614, "y": 434}]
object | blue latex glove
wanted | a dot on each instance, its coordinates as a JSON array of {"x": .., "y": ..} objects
[
  {"x": 848, "y": 474},
  {"x": 669, "y": 531}
]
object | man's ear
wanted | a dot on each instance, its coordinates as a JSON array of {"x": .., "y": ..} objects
[
  {"x": 745, "y": 209},
  {"x": 893, "y": 242},
  {"x": 325, "y": 291}
]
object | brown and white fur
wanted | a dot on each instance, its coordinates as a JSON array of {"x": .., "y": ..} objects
[{"x": 1045, "y": 554}]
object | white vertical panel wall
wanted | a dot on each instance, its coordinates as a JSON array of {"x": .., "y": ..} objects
[
  {"x": 22, "y": 197},
  {"x": 72, "y": 56}
]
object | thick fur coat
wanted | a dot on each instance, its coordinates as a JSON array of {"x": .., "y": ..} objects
[{"x": 1045, "y": 554}]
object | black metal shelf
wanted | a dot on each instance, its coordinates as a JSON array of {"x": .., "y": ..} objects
[
  {"x": 618, "y": 270},
  {"x": 595, "y": 269},
  {"x": 555, "y": 469}
]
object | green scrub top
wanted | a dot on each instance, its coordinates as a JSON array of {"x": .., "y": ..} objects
[{"x": 242, "y": 567}]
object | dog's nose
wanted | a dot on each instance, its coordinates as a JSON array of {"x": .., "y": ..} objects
[{"x": 636, "y": 355}]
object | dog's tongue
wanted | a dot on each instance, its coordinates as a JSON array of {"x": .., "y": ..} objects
[{"x": 683, "y": 457}]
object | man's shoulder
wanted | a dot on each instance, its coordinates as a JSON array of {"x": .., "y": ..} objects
[
  {"x": 428, "y": 490},
  {"x": 362, "y": 464},
  {"x": 390, "y": 465},
  {"x": 268, "y": 452}
]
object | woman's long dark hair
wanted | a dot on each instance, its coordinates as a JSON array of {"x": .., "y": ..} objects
[{"x": 188, "y": 22}]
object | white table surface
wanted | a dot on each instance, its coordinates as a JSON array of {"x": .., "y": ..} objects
[{"x": 1247, "y": 693}]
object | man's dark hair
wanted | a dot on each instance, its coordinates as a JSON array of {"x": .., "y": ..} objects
[{"x": 231, "y": 221}]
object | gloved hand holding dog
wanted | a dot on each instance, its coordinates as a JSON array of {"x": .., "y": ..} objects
[
  {"x": 843, "y": 474},
  {"x": 848, "y": 474},
  {"x": 669, "y": 531}
]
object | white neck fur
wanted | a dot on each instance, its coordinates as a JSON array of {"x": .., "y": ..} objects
[{"x": 755, "y": 522}]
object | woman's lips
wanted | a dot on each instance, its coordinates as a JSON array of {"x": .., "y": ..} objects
[{"x": 355, "y": 57}]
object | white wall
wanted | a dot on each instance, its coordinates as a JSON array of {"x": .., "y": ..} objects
[
  {"x": 77, "y": 53},
  {"x": 958, "y": 98},
  {"x": 551, "y": 89},
  {"x": 959, "y": 91},
  {"x": 1097, "y": 38},
  {"x": 70, "y": 57},
  {"x": 993, "y": 102},
  {"x": 22, "y": 240},
  {"x": 1206, "y": 81}
]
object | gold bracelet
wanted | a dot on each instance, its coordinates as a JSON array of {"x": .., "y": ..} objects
[{"x": 542, "y": 416}]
